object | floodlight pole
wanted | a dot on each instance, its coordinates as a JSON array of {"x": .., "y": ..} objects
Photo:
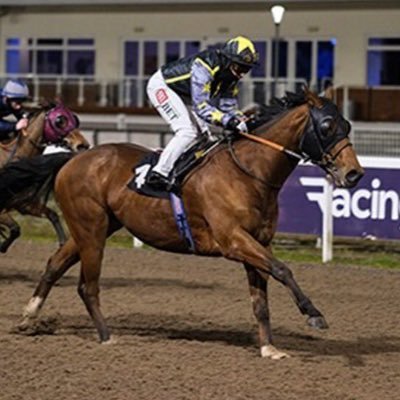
[{"x": 277, "y": 16}]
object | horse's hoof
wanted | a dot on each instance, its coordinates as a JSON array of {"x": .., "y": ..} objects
[
  {"x": 273, "y": 353},
  {"x": 34, "y": 327},
  {"x": 110, "y": 341},
  {"x": 318, "y": 322}
]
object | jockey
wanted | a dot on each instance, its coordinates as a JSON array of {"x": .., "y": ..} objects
[
  {"x": 13, "y": 94},
  {"x": 208, "y": 83}
]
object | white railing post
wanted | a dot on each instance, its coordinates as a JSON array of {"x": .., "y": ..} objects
[
  {"x": 103, "y": 93},
  {"x": 81, "y": 96},
  {"x": 327, "y": 223},
  {"x": 127, "y": 97}
]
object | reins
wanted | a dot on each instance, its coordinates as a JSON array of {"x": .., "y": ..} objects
[
  {"x": 246, "y": 171},
  {"x": 264, "y": 142},
  {"x": 274, "y": 145}
]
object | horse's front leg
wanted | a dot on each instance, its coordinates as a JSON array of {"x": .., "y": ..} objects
[
  {"x": 241, "y": 246},
  {"x": 10, "y": 233},
  {"x": 259, "y": 298},
  {"x": 53, "y": 217},
  {"x": 41, "y": 210},
  {"x": 284, "y": 275}
]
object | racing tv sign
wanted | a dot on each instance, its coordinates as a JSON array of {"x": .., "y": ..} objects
[{"x": 370, "y": 209}]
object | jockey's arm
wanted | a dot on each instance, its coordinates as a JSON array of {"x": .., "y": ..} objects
[
  {"x": 6, "y": 129},
  {"x": 202, "y": 77}
]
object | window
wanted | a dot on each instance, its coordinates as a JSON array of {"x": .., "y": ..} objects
[
  {"x": 383, "y": 61},
  {"x": 325, "y": 61},
  {"x": 50, "y": 56}
]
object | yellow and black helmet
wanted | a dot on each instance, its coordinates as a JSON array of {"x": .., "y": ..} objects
[{"x": 241, "y": 50}]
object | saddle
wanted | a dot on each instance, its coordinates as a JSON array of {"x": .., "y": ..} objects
[{"x": 191, "y": 158}]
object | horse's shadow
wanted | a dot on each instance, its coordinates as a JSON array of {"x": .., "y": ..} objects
[{"x": 185, "y": 327}]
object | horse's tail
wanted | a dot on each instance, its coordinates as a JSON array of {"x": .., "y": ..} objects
[{"x": 28, "y": 179}]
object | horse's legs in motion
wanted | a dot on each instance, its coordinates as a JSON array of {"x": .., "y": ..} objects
[
  {"x": 91, "y": 238},
  {"x": 52, "y": 216},
  {"x": 11, "y": 227},
  {"x": 259, "y": 298},
  {"x": 64, "y": 258},
  {"x": 241, "y": 246},
  {"x": 284, "y": 275}
]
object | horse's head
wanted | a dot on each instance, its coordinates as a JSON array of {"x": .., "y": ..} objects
[
  {"x": 59, "y": 122},
  {"x": 326, "y": 142},
  {"x": 49, "y": 123},
  {"x": 75, "y": 142}
]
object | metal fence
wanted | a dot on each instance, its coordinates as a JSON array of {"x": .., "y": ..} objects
[
  {"x": 369, "y": 139},
  {"x": 376, "y": 139}
]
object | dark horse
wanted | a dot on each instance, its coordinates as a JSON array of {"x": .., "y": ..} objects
[
  {"x": 231, "y": 202},
  {"x": 50, "y": 123}
]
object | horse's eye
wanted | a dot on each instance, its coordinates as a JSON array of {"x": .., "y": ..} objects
[
  {"x": 326, "y": 126},
  {"x": 61, "y": 121}
]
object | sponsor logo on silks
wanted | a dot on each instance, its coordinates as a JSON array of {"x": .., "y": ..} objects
[
  {"x": 169, "y": 110},
  {"x": 161, "y": 96},
  {"x": 361, "y": 204}
]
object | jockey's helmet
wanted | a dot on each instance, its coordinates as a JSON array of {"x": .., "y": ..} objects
[
  {"x": 15, "y": 89},
  {"x": 241, "y": 50}
]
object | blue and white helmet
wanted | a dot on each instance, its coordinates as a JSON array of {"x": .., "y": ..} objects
[{"x": 16, "y": 89}]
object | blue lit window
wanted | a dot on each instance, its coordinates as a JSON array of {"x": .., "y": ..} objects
[
  {"x": 131, "y": 58},
  {"x": 383, "y": 61},
  {"x": 172, "y": 51},
  {"x": 304, "y": 60},
  {"x": 260, "y": 71},
  {"x": 150, "y": 57},
  {"x": 53, "y": 56},
  {"x": 325, "y": 62}
]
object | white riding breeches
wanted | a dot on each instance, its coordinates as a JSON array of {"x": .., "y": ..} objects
[{"x": 174, "y": 111}]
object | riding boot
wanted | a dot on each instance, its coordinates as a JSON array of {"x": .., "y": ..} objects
[{"x": 157, "y": 181}]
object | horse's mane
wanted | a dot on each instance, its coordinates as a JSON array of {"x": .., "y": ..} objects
[
  {"x": 34, "y": 109},
  {"x": 278, "y": 105}
]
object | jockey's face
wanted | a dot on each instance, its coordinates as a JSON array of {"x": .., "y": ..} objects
[
  {"x": 238, "y": 70},
  {"x": 15, "y": 104}
]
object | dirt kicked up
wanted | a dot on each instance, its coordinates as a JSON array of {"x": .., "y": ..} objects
[{"x": 184, "y": 329}]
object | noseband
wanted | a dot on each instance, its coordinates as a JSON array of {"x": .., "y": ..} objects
[{"x": 315, "y": 144}]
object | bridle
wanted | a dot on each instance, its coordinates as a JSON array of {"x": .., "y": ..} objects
[
  {"x": 312, "y": 137},
  {"x": 51, "y": 119}
]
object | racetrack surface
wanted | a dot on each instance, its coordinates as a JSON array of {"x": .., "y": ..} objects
[{"x": 184, "y": 329}]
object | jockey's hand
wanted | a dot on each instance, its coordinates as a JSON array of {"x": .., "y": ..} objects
[
  {"x": 237, "y": 124},
  {"x": 21, "y": 124}
]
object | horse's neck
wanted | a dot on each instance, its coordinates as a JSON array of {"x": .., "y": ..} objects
[
  {"x": 29, "y": 142},
  {"x": 273, "y": 165}
]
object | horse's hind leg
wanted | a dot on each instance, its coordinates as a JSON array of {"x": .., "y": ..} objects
[
  {"x": 63, "y": 259},
  {"x": 259, "y": 297}
]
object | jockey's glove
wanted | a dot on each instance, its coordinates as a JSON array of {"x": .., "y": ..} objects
[{"x": 237, "y": 125}]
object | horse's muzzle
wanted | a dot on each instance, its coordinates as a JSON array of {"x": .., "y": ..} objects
[{"x": 353, "y": 177}]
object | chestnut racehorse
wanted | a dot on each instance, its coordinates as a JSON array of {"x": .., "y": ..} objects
[
  {"x": 231, "y": 202},
  {"x": 29, "y": 143}
]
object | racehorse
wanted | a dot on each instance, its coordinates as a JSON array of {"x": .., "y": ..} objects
[
  {"x": 53, "y": 123},
  {"x": 231, "y": 201}
]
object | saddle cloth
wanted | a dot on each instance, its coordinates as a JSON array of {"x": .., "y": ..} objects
[{"x": 186, "y": 162}]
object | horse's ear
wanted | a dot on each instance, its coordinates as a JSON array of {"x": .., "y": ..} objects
[
  {"x": 312, "y": 99},
  {"x": 58, "y": 99}
]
